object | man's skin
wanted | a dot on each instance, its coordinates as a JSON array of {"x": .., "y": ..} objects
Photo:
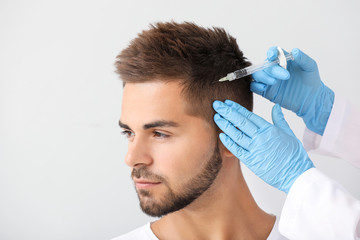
[{"x": 227, "y": 209}]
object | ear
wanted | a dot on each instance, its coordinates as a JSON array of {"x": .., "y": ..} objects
[{"x": 224, "y": 151}]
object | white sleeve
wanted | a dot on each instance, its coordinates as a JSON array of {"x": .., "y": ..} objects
[
  {"x": 342, "y": 134},
  {"x": 319, "y": 208}
]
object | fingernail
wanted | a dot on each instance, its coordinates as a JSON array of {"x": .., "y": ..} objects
[
  {"x": 272, "y": 53},
  {"x": 257, "y": 87},
  {"x": 262, "y": 88},
  {"x": 222, "y": 137},
  {"x": 217, "y": 117},
  {"x": 228, "y": 102},
  {"x": 281, "y": 73},
  {"x": 219, "y": 106},
  {"x": 287, "y": 75},
  {"x": 216, "y": 104},
  {"x": 295, "y": 52}
]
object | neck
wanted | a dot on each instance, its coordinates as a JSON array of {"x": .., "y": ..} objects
[{"x": 226, "y": 210}]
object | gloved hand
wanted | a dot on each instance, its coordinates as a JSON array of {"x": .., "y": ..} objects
[
  {"x": 272, "y": 152},
  {"x": 299, "y": 89}
]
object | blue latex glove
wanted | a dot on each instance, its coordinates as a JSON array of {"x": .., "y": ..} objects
[
  {"x": 272, "y": 152},
  {"x": 299, "y": 89}
]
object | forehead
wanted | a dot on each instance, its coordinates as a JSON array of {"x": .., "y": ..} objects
[{"x": 153, "y": 101}]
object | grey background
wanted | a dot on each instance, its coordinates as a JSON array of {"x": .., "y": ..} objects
[{"x": 62, "y": 173}]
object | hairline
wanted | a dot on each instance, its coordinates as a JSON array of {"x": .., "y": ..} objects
[{"x": 181, "y": 82}]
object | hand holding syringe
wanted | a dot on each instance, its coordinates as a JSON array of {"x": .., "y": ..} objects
[{"x": 281, "y": 60}]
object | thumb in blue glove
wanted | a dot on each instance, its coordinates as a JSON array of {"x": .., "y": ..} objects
[
  {"x": 299, "y": 89},
  {"x": 272, "y": 152}
]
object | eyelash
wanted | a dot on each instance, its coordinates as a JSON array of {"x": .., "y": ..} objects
[
  {"x": 127, "y": 133},
  {"x": 157, "y": 134},
  {"x": 160, "y": 135}
]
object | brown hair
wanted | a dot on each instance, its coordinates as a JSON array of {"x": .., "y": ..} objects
[{"x": 195, "y": 56}]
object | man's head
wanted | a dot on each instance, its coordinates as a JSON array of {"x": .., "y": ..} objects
[{"x": 170, "y": 74}]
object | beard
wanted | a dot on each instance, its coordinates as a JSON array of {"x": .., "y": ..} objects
[{"x": 191, "y": 190}]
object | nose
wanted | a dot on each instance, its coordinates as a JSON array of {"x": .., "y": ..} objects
[{"x": 138, "y": 154}]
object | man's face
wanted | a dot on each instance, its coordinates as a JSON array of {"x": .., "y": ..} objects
[{"x": 174, "y": 156}]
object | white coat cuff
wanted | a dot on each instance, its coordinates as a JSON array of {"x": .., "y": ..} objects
[{"x": 324, "y": 144}]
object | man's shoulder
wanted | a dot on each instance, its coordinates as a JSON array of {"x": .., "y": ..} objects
[{"x": 142, "y": 233}]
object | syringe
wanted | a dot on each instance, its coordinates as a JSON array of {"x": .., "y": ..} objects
[{"x": 254, "y": 68}]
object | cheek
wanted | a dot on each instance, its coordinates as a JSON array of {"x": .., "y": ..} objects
[{"x": 182, "y": 158}]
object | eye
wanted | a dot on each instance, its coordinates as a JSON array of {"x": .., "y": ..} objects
[
  {"x": 127, "y": 133},
  {"x": 160, "y": 135}
]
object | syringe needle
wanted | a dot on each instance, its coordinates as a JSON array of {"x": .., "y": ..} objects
[{"x": 223, "y": 79}]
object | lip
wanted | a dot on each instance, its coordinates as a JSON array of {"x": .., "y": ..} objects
[{"x": 144, "y": 184}]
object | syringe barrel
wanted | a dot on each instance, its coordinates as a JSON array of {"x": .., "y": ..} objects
[
  {"x": 242, "y": 73},
  {"x": 254, "y": 68}
]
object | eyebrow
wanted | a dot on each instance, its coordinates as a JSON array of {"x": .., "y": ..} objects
[
  {"x": 155, "y": 124},
  {"x": 123, "y": 125}
]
